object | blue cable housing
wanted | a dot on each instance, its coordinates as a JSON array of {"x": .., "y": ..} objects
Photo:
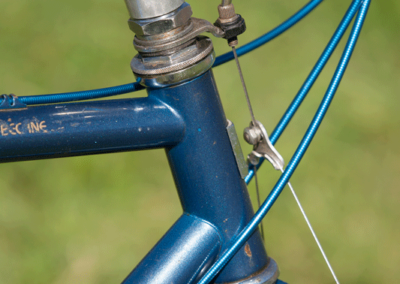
[
  {"x": 312, "y": 77},
  {"x": 239, "y": 241},
  {"x": 132, "y": 87},
  {"x": 83, "y": 95}
]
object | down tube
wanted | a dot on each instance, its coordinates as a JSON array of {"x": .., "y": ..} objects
[{"x": 207, "y": 175}]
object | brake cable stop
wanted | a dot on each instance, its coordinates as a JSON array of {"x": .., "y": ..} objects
[{"x": 231, "y": 23}]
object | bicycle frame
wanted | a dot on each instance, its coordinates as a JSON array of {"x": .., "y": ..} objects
[{"x": 189, "y": 122}]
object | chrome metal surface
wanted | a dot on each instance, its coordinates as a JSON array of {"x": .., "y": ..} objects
[
  {"x": 173, "y": 78},
  {"x": 162, "y": 24},
  {"x": 171, "y": 35},
  {"x": 269, "y": 275},
  {"x": 264, "y": 148},
  {"x": 237, "y": 150},
  {"x": 171, "y": 49},
  {"x": 227, "y": 13},
  {"x": 145, "y": 9},
  {"x": 226, "y": 2},
  {"x": 252, "y": 135},
  {"x": 198, "y": 27},
  {"x": 148, "y": 66}
]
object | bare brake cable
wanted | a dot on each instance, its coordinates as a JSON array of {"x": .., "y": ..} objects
[
  {"x": 277, "y": 162},
  {"x": 244, "y": 85},
  {"x": 254, "y": 122},
  {"x": 311, "y": 229},
  {"x": 359, "y": 7}
]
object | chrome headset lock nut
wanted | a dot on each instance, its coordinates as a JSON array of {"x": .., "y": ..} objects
[{"x": 163, "y": 24}]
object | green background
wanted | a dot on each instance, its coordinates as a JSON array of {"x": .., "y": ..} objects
[{"x": 91, "y": 219}]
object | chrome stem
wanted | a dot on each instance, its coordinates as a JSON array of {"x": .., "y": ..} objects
[{"x": 226, "y": 2}]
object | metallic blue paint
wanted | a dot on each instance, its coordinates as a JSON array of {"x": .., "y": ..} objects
[
  {"x": 88, "y": 128},
  {"x": 207, "y": 178},
  {"x": 298, "y": 155},
  {"x": 188, "y": 248},
  {"x": 189, "y": 122},
  {"x": 312, "y": 77}
]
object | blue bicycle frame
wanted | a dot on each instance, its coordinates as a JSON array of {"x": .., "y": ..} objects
[{"x": 188, "y": 121}]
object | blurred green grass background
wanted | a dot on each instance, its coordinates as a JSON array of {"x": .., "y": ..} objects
[{"x": 91, "y": 219}]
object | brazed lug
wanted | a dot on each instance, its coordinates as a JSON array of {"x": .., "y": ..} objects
[{"x": 9, "y": 102}]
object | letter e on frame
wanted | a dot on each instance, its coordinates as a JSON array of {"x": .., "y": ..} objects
[{"x": 3, "y": 129}]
